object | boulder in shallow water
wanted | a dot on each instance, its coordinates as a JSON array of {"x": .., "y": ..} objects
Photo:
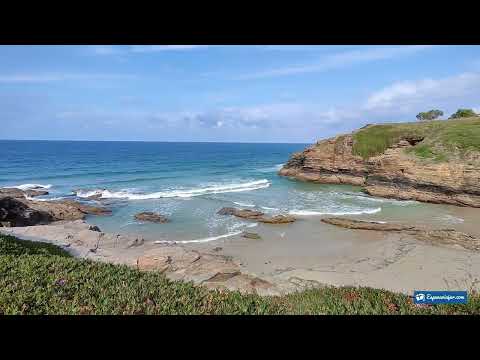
[
  {"x": 278, "y": 219},
  {"x": 249, "y": 235},
  {"x": 244, "y": 214},
  {"x": 257, "y": 216},
  {"x": 151, "y": 217}
]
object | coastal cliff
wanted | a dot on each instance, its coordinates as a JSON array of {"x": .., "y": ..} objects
[{"x": 434, "y": 161}]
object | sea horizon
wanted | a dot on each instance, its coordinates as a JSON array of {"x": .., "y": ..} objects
[{"x": 164, "y": 141}]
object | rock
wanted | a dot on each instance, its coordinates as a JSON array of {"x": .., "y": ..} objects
[
  {"x": 12, "y": 193},
  {"x": 449, "y": 237},
  {"x": 154, "y": 263},
  {"x": 227, "y": 211},
  {"x": 86, "y": 209},
  {"x": 135, "y": 242},
  {"x": 33, "y": 193},
  {"x": 21, "y": 211},
  {"x": 329, "y": 162},
  {"x": 366, "y": 225},
  {"x": 244, "y": 214},
  {"x": 17, "y": 213},
  {"x": 257, "y": 216},
  {"x": 151, "y": 217},
  {"x": 217, "y": 249},
  {"x": 94, "y": 228},
  {"x": 278, "y": 219},
  {"x": 394, "y": 174},
  {"x": 5, "y": 224},
  {"x": 249, "y": 235},
  {"x": 17, "y": 193}
]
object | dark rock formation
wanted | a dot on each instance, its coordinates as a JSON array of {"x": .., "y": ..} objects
[
  {"x": 431, "y": 236},
  {"x": 14, "y": 212},
  {"x": 94, "y": 228},
  {"x": 257, "y": 216},
  {"x": 17, "y": 210},
  {"x": 151, "y": 217}
]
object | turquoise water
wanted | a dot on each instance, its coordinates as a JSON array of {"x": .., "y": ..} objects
[{"x": 187, "y": 182}]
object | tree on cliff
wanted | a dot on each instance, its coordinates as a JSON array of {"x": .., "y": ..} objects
[
  {"x": 429, "y": 115},
  {"x": 463, "y": 113}
]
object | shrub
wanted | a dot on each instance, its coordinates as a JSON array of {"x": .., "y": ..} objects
[
  {"x": 429, "y": 115},
  {"x": 463, "y": 113}
]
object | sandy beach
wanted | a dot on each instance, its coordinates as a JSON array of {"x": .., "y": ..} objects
[{"x": 291, "y": 257}]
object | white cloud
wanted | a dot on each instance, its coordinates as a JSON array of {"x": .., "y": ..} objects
[
  {"x": 429, "y": 92},
  {"x": 340, "y": 60}
]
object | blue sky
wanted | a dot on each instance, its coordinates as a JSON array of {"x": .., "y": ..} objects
[{"x": 226, "y": 93}]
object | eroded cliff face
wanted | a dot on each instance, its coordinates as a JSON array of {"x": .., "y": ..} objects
[{"x": 393, "y": 174}]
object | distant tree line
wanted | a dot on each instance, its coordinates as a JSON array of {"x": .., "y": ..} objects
[{"x": 435, "y": 114}]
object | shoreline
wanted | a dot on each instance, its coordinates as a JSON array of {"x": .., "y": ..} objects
[
  {"x": 270, "y": 266},
  {"x": 291, "y": 255}
]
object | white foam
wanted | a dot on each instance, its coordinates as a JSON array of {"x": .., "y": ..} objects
[
  {"x": 32, "y": 186},
  {"x": 268, "y": 208},
  {"x": 274, "y": 168},
  {"x": 213, "y": 238},
  {"x": 451, "y": 219},
  {"x": 50, "y": 199},
  {"x": 243, "y": 204},
  {"x": 214, "y": 189},
  {"x": 316, "y": 213},
  {"x": 349, "y": 195}
]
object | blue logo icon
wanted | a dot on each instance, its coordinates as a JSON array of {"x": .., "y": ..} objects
[{"x": 440, "y": 297}]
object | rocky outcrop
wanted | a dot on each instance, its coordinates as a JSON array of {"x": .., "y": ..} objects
[
  {"x": 151, "y": 217},
  {"x": 18, "y": 210},
  {"x": 448, "y": 237},
  {"x": 393, "y": 174},
  {"x": 17, "y": 193},
  {"x": 14, "y": 212},
  {"x": 328, "y": 162},
  {"x": 257, "y": 216},
  {"x": 210, "y": 270}
]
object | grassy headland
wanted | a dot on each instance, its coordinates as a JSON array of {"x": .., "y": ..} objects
[
  {"x": 443, "y": 139},
  {"x": 37, "y": 278}
]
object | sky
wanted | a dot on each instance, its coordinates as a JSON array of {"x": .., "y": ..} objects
[{"x": 258, "y": 93}]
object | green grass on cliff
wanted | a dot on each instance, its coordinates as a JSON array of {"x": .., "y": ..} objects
[
  {"x": 38, "y": 278},
  {"x": 444, "y": 139}
]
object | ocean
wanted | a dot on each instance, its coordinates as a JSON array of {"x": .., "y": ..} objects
[{"x": 188, "y": 183}]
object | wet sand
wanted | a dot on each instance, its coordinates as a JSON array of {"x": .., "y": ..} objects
[{"x": 314, "y": 253}]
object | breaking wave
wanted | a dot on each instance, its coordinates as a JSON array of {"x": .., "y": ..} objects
[
  {"x": 32, "y": 186},
  {"x": 315, "y": 213},
  {"x": 213, "y": 238},
  {"x": 269, "y": 208},
  {"x": 214, "y": 189},
  {"x": 49, "y": 199},
  {"x": 243, "y": 204}
]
